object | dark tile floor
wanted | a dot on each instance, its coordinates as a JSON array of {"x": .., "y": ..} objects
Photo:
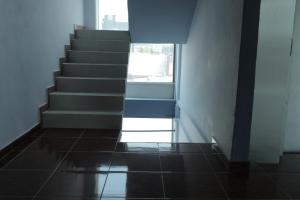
[{"x": 88, "y": 165}]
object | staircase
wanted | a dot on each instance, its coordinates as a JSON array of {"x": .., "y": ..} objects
[{"x": 91, "y": 88}]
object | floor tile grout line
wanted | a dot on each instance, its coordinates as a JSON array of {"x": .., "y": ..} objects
[
  {"x": 161, "y": 174},
  {"x": 58, "y": 165},
  {"x": 21, "y": 152},
  {"x": 114, "y": 151},
  {"x": 217, "y": 178}
]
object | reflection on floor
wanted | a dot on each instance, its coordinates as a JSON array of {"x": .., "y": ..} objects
[
  {"x": 65, "y": 164},
  {"x": 157, "y": 130},
  {"x": 148, "y": 124}
]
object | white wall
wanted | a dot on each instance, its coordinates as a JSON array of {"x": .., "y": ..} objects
[
  {"x": 292, "y": 136},
  {"x": 270, "y": 95},
  {"x": 32, "y": 37},
  {"x": 209, "y": 70}
]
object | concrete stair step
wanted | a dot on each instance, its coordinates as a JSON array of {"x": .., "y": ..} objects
[
  {"x": 82, "y": 119},
  {"x": 94, "y": 70},
  {"x": 91, "y": 85},
  {"x": 101, "y": 57},
  {"x": 100, "y": 45},
  {"x": 102, "y": 35},
  {"x": 86, "y": 101}
]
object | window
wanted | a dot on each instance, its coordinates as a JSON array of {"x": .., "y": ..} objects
[
  {"x": 151, "y": 63},
  {"x": 112, "y": 15}
]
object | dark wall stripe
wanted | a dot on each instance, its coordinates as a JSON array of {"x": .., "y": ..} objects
[{"x": 246, "y": 81}]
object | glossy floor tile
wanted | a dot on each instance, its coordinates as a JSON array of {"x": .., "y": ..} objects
[
  {"x": 147, "y": 136},
  {"x": 218, "y": 162},
  {"x": 185, "y": 163},
  {"x": 135, "y": 162},
  {"x": 74, "y": 184},
  {"x": 65, "y": 198},
  {"x": 101, "y": 134},
  {"x": 159, "y": 130},
  {"x": 67, "y": 164},
  {"x": 134, "y": 185},
  {"x": 290, "y": 183},
  {"x": 256, "y": 186},
  {"x": 137, "y": 147},
  {"x": 8, "y": 157},
  {"x": 62, "y": 133},
  {"x": 95, "y": 145},
  {"x": 21, "y": 183},
  {"x": 147, "y": 124},
  {"x": 16, "y": 198},
  {"x": 83, "y": 161},
  {"x": 51, "y": 144},
  {"x": 179, "y": 148},
  {"x": 190, "y": 185},
  {"x": 37, "y": 160}
]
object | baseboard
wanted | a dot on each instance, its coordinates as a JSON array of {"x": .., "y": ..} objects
[{"x": 33, "y": 132}]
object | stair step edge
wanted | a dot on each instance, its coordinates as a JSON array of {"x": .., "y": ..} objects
[
  {"x": 76, "y": 112},
  {"x": 96, "y": 64},
  {"x": 90, "y": 78},
  {"x": 104, "y": 52},
  {"x": 86, "y": 94}
]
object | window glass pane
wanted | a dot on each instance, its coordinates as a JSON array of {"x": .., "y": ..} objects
[
  {"x": 113, "y": 15},
  {"x": 151, "y": 63}
]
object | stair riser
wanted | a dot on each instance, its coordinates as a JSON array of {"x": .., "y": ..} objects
[
  {"x": 97, "y": 57},
  {"x": 90, "y": 45},
  {"x": 95, "y": 71},
  {"x": 102, "y": 35},
  {"x": 92, "y": 86},
  {"x": 82, "y": 121},
  {"x": 86, "y": 103}
]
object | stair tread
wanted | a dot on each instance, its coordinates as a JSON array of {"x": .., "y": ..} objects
[
  {"x": 90, "y": 78},
  {"x": 99, "y": 31},
  {"x": 111, "y": 52},
  {"x": 88, "y": 94},
  {"x": 86, "y": 39},
  {"x": 80, "y": 112},
  {"x": 95, "y": 64}
]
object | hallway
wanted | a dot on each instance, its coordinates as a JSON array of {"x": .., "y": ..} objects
[{"x": 71, "y": 164}]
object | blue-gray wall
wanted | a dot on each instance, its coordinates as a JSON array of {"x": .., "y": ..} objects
[
  {"x": 160, "y": 21},
  {"x": 150, "y": 108},
  {"x": 209, "y": 70},
  {"x": 32, "y": 37},
  {"x": 90, "y": 14}
]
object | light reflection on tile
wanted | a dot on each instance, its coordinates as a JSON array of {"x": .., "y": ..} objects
[
  {"x": 137, "y": 147},
  {"x": 147, "y": 124},
  {"x": 160, "y": 130},
  {"x": 160, "y": 136}
]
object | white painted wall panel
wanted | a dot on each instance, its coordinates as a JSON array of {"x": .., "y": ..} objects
[
  {"x": 209, "y": 71},
  {"x": 292, "y": 136},
  {"x": 270, "y": 95}
]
